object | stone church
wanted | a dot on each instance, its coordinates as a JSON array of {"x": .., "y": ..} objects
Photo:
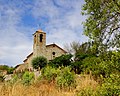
[{"x": 41, "y": 49}]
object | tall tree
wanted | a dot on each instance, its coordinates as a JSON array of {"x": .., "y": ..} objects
[{"x": 103, "y": 23}]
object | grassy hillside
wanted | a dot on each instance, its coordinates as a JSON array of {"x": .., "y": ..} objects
[{"x": 45, "y": 88}]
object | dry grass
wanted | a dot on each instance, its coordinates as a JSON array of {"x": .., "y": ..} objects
[
  {"x": 86, "y": 81},
  {"x": 43, "y": 88},
  {"x": 37, "y": 89}
]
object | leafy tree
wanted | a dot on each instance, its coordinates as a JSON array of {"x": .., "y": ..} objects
[
  {"x": 85, "y": 50},
  {"x": 73, "y": 47},
  {"x": 103, "y": 23},
  {"x": 63, "y": 60},
  {"x": 39, "y": 62},
  {"x": 80, "y": 52}
]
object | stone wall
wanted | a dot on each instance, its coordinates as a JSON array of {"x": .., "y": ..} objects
[{"x": 53, "y": 51}]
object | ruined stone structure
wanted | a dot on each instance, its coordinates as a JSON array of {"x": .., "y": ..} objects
[{"x": 41, "y": 49}]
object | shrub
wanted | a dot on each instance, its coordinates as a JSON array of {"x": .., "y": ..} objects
[
  {"x": 98, "y": 66},
  {"x": 27, "y": 78},
  {"x": 49, "y": 73},
  {"x": 39, "y": 62},
  {"x": 62, "y": 76},
  {"x": 65, "y": 78},
  {"x": 110, "y": 86},
  {"x": 91, "y": 64}
]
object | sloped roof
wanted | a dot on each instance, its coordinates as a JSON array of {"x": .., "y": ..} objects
[
  {"x": 28, "y": 56},
  {"x": 21, "y": 67},
  {"x": 56, "y": 46}
]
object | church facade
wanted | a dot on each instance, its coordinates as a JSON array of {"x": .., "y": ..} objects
[{"x": 41, "y": 49}]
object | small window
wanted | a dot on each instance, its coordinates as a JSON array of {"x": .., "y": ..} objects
[
  {"x": 53, "y": 53},
  {"x": 41, "y": 37},
  {"x": 35, "y": 39}
]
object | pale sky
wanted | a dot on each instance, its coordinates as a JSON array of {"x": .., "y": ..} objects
[{"x": 19, "y": 19}]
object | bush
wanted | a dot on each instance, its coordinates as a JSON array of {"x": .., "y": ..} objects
[
  {"x": 27, "y": 78},
  {"x": 49, "y": 73},
  {"x": 91, "y": 64},
  {"x": 110, "y": 86},
  {"x": 65, "y": 78},
  {"x": 98, "y": 66},
  {"x": 62, "y": 76}
]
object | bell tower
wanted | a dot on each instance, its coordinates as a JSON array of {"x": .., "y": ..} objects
[{"x": 39, "y": 44}]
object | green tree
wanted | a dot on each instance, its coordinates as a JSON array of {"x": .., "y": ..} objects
[
  {"x": 63, "y": 60},
  {"x": 80, "y": 52},
  {"x": 85, "y": 50},
  {"x": 103, "y": 23},
  {"x": 39, "y": 62}
]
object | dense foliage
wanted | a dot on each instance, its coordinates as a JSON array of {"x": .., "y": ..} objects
[
  {"x": 64, "y": 60},
  {"x": 49, "y": 73},
  {"x": 62, "y": 77},
  {"x": 39, "y": 62},
  {"x": 65, "y": 78},
  {"x": 103, "y": 23},
  {"x": 6, "y": 68},
  {"x": 27, "y": 78},
  {"x": 110, "y": 86}
]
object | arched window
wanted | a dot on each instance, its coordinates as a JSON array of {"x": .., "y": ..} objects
[
  {"x": 53, "y": 53},
  {"x": 41, "y": 37}
]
